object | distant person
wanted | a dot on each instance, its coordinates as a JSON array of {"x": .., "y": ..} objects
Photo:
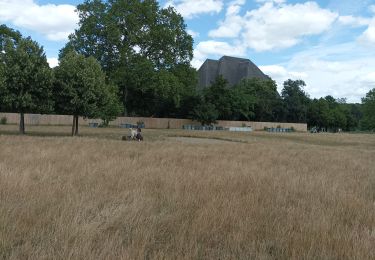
[
  {"x": 133, "y": 134},
  {"x": 139, "y": 136}
]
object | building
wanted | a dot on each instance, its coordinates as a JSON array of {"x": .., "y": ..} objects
[{"x": 231, "y": 68}]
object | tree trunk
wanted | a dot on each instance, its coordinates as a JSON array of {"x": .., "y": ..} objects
[
  {"x": 22, "y": 123},
  {"x": 76, "y": 130},
  {"x": 74, "y": 125}
]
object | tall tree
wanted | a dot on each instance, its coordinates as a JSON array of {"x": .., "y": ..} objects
[
  {"x": 296, "y": 101},
  {"x": 80, "y": 89},
  {"x": 267, "y": 103},
  {"x": 110, "y": 105},
  {"x": 318, "y": 113},
  {"x": 353, "y": 115},
  {"x": 205, "y": 113},
  {"x": 189, "y": 96},
  {"x": 219, "y": 94},
  {"x": 121, "y": 35},
  {"x": 368, "y": 108},
  {"x": 27, "y": 78}
]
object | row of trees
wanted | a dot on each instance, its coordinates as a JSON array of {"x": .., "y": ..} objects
[
  {"x": 133, "y": 58},
  {"x": 258, "y": 100},
  {"x": 76, "y": 87}
]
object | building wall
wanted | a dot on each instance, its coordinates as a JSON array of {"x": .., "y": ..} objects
[
  {"x": 154, "y": 123},
  {"x": 231, "y": 68}
]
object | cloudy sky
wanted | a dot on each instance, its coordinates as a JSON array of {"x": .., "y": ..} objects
[{"x": 330, "y": 44}]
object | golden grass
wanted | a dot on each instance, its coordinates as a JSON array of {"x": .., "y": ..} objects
[{"x": 265, "y": 196}]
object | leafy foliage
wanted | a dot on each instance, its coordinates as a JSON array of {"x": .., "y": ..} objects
[
  {"x": 368, "y": 102},
  {"x": 266, "y": 101},
  {"x": 143, "y": 48},
  {"x": 80, "y": 89},
  {"x": 295, "y": 100},
  {"x": 26, "y": 79},
  {"x": 205, "y": 113},
  {"x": 110, "y": 106}
]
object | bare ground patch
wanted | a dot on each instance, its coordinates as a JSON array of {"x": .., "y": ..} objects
[{"x": 198, "y": 140}]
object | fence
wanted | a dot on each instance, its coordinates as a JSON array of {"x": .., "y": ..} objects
[{"x": 154, "y": 123}]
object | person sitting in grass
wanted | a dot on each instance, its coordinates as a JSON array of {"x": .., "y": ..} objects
[
  {"x": 132, "y": 134},
  {"x": 139, "y": 137}
]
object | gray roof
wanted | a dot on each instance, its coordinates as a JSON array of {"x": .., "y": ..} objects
[{"x": 231, "y": 68}]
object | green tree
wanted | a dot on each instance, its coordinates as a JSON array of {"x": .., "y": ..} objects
[
  {"x": 125, "y": 36},
  {"x": 219, "y": 94},
  {"x": 2, "y": 86},
  {"x": 205, "y": 113},
  {"x": 318, "y": 113},
  {"x": 336, "y": 116},
  {"x": 353, "y": 115},
  {"x": 242, "y": 104},
  {"x": 8, "y": 33},
  {"x": 296, "y": 101},
  {"x": 80, "y": 89},
  {"x": 27, "y": 78},
  {"x": 110, "y": 105},
  {"x": 189, "y": 97},
  {"x": 368, "y": 108},
  {"x": 332, "y": 114},
  {"x": 266, "y": 101}
]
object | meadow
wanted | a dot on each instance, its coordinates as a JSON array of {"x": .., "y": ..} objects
[{"x": 185, "y": 195}]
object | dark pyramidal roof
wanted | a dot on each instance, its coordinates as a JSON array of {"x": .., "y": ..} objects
[{"x": 231, "y": 68}]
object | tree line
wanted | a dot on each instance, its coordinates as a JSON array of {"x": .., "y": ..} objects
[
  {"x": 258, "y": 100},
  {"x": 133, "y": 58}
]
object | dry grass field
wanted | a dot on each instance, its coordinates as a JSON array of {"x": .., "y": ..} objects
[{"x": 186, "y": 195}]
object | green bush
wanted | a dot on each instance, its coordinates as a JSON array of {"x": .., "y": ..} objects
[{"x": 3, "y": 121}]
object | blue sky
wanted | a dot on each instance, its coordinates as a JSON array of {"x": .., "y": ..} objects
[{"x": 330, "y": 44}]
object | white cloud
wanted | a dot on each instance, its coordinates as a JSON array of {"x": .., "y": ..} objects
[
  {"x": 280, "y": 74},
  {"x": 350, "y": 20},
  {"x": 194, "y": 34},
  {"x": 271, "y": 1},
  {"x": 55, "y": 22},
  {"x": 188, "y": 9},
  {"x": 215, "y": 49},
  {"x": 231, "y": 26},
  {"x": 352, "y": 77},
  {"x": 275, "y": 24},
  {"x": 283, "y": 26},
  {"x": 53, "y": 62},
  {"x": 368, "y": 36}
]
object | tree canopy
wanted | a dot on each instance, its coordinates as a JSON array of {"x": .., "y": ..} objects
[
  {"x": 141, "y": 47},
  {"x": 80, "y": 89},
  {"x": 368, "y": 103},
  {"x": 266, "y": 101},
  {"x": 26, "y": 79},
  {"x": 296, "y": 101}
]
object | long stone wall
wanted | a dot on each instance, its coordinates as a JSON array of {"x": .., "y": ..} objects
[{"x": 154, "y": 123}]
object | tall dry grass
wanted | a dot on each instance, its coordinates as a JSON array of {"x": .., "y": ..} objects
[{"x": 285, "y": 196}]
